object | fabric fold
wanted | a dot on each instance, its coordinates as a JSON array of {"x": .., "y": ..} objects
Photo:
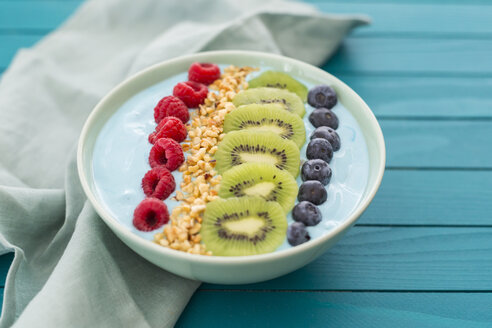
[{"x": 69, "y": 269}]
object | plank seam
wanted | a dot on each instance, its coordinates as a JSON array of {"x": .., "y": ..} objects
[
  {"x": 407, "y": 74},
  {"x": 435, "y": 291},
  {"x": 365, "y": 34},
  {"x": 437, "y": 168},
  {"x": 392, "y": 225},
  {"x": 435, "y": 118},
  {"x": 402, "y": 2}
]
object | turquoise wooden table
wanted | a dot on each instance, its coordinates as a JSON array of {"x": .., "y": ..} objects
[{"x": 421, "y": 255}]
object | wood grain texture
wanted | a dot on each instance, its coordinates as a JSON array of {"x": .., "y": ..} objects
[
  {"x": 415, "y": 197},
  {"x": 403, "y": 258},
  {"x": 294, "y": 309},
  {"x": 366, "y": 55},
  {"x": 421, "y": 19},
  {"x": 439, "y": 57},
  {"x": 434, "y": 143},
  {"x": 394, "y": 18},
  {"x": 417, "y": 96},
  {"x": 387, "y": 54},
  {"x": 400, "y": 96},
  {"x": 389, "y": 259}
]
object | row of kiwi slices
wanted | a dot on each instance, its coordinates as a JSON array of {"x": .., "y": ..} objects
[{"x": 258, "y": 159}]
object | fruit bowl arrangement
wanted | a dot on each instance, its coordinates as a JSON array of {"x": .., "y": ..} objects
[{"x": 201, "y": 165}]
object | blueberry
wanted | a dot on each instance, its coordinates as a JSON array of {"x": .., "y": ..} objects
[
  {"x": 307, "y": 213},
  {"x": 316, "y": 169},
  {"x": 323, "y": 117},
  {"x": 297, "y": 234},
  {"x": 329, "y": 134},
  {"x": 319, "y": 148},
  {"x": 312, "y": 191},
  {"x": 322, "y": 96}
]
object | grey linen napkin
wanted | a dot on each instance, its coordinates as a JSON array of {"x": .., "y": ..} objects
[{"x": 69, "y": 269}]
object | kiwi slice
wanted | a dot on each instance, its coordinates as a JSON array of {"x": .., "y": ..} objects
[
  {"x": 281, "y": 80},
  {"x": 259, "y": 179},
  {"x": 243, "y": 226},
  {"x": 269, "y": 117},
  {"x": 240, "y": 147},
  {"x": 287, "y": 99}
]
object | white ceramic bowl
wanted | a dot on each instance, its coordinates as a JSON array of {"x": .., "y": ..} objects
[{"x": 216, "y": 269}]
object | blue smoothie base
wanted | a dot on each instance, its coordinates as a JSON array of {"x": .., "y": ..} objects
[{"x": 122, "y": 149}]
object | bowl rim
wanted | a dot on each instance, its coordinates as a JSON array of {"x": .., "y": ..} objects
[{"x": 120, "y": 230}]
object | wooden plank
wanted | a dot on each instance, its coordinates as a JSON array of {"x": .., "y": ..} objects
[
  {"x": 386, "y": 95},
  {"x": 386, "y": 17},
  {"x": 432, "y": 198},
  {"x": 395, "y": 259},
  {"x": 415, "y": 2},
  {"x": 434, "y": 143},
  {"x": 331, "y": 309},
  {"x": 400, "y": 57},
  {"x": 294, "y": 309},
  {"x": 412, "y": 56},
  {"x": 398, "y": 96},
  {"x": 433, "y": 19},
  {"x": 412, "y": 197},
  {"x": 45, "y": 15},
  {"x": 387, "y": 259}
]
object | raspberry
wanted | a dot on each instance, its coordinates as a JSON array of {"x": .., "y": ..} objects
[
  {"x": 152, "y": 138},
  {"x": 150, "y": 214},
  {"x": 205, "y": 73},
  {"x": 191, "y": 93},
  {"x": 158, "y": 183},
  {"x": 169, "y": 127},
  {"x": 166, "y": 152},
  {"x": 171, "y": 106}
]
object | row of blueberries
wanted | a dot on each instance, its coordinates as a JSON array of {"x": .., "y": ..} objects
[
  {"x": 315, "y": 172},
  {"x": 166, "y": 154}
]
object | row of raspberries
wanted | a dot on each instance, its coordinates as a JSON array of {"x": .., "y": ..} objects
[{"x": 166, "y": 155}]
